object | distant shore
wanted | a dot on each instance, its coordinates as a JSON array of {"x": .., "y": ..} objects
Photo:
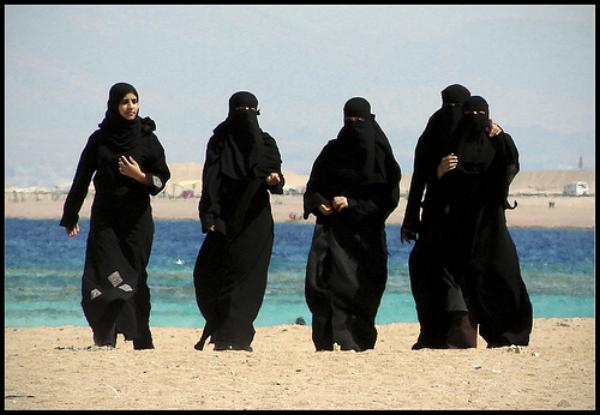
[
  {"x": 532, "y": 211},
  {"x": 534, "y": 191}
]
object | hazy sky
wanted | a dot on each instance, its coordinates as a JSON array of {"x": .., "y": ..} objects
[{"x": 534, "y": 64}]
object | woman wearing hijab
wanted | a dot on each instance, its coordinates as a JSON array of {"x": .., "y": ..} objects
[
  {"x": 242, "y": 166},
  {"x": 128, "y": 165},
  {"x": 482, "y": 266},
  {"x": 352, "y": 189}
]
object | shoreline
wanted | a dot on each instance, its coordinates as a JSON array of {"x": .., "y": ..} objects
[
  {"x": 51, "y": 368},
  {"x": 531, "y": 212}
]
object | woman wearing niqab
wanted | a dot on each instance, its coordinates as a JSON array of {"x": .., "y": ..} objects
[
  {"x": 428, "y": 153},
  {"x": 242, "y": 166},
  {"x": 483, "y": 271},
  {"x": 352, "y": 189},
  {"x": 425, "y": 259},
  {"x": 128, "y": 165}
]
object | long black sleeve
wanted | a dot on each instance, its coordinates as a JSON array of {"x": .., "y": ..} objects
[
  {"x": 312, "y": 197},
  {"x": 273, "y": 163},
  {"x": 85, "y": 170},
  {"x": 209, "y": 208},
  {"x": 158, "y": 169},
  {"x": 510, "y": 156}
]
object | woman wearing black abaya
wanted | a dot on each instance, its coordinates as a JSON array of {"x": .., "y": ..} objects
[
  {"x": 352, "y": 189},
  {"x": 483, "y": 271},
  {"x": 428, "y": 154},
  {"x": 230, "y": 276},
  {"x": 425, "y": 260},
  {"x": 129, "y": 166}
]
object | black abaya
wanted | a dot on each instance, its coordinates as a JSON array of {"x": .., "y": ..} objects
[
  {"x": 483, "y": 263},
  {"x": 230, "y": 274},
  {"x": 347, "y": 264},
  {"x": 426, "y": 259},
  {"x": 115, "y": 294}
]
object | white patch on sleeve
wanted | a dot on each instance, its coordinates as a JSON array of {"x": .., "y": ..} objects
[{"x": 126, "y": 287}]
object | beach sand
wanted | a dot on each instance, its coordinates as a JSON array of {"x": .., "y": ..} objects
[
  {"x": 56, "y": 368},
  {"x": 532, "y": 211}
]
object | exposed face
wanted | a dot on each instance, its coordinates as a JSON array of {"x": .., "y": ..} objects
[{"x": 129, "y": 107}]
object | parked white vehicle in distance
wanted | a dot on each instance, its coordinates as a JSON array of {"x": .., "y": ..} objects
[{"x": 576, "y": 189}]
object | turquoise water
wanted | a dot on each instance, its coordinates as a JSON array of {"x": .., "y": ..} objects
[{"x": 43, "y": 271}]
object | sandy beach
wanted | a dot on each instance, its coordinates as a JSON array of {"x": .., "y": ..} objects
[{"x": 56, "y": 368}]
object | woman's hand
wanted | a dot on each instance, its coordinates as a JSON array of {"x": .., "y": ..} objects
[
  {"x": 493, "y": 130},
  {"x": 273, "y": 179},
  {"x": 73, "y": 231},
  {"x": 340, "y": 203},
  {"x": 325, "y": 209},
  {"x": 130, "y": 168},
  {"x": 448, "y": 163}
]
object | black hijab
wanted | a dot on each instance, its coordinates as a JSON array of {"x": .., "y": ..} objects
[
  {"x": 240, "y": 138},
  {"x": 445, "y": 120},
  {"x": 123, "y": 134},
  {"x": 455, "y": 94},
  {"x": 471, "y": 143},
  {"x": 361, "y": 152}
]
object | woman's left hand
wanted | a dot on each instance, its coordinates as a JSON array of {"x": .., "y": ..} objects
[
  {"x": 339, "y": 203},
  {"x": 130, "y": 168},
  {"x": 273, "y": 179}
]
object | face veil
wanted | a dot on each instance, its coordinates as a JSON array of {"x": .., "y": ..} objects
[
  {"x": 473, "y": 147},
  {"x": 242, "y": 138},
  {"x": 362, "y": 151}
]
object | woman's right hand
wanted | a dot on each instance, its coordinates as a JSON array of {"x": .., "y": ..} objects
[
  {"x": 73, "y": 231},
  {"x": 273, "y": 179},
  {"x": 448, "y": 163}
]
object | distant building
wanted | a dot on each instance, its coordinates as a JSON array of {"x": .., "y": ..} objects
[{"x": 576, "y": 189}]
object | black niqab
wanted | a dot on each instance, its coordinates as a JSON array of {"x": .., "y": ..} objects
[
  {"x": 361, "y": 153},
  {"x": 241, "y": 139},
  {"x": 455, "y": 94},
  {"x": 473, "y": 147}
]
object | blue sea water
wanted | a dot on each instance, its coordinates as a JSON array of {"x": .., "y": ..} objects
[{"x": 43, "y": 274}]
